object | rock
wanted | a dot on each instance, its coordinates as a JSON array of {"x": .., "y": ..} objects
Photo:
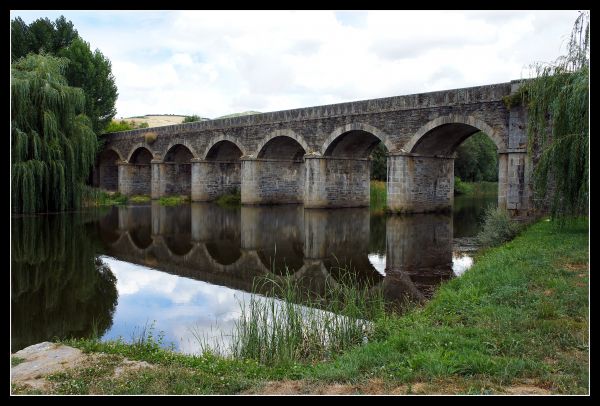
[{"x": 41, "y": 360}]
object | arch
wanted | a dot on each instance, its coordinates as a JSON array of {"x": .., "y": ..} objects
[
  {"x": 108, "y": 171},
  {"x": 180, "y": 153},
  {"x": 281, "y": 133},
  {"x": 383, "y": 137},
  {"x": 138, "y": 146},
  {"x": 141, "y": 156},
  {"x": 215, "y": 140},
  {"x": 108, "y": 150},
  {"x": 181, "y": 142},
  {"x": 466, "y": 126}
]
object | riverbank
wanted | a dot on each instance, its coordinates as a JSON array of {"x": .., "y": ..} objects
[{"x": 516, "y": 322}]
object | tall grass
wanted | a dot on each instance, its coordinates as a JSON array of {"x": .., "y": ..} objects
[
  {"x": 93, "y": 197},
  {"x": 173, "y": 200},
  {"x": 275, "y": 329},
  {"x": 378, "y": 195}
]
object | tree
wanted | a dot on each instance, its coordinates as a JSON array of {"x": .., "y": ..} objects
[
  {"x": 92, "y": 72},
  {"x": 379, "y": 162},
  {"x": 191, "y": 119},
  {"x": 557, "y": 100},
  {"x": 53, "y": 144},
  {"x": 477, "y": 159}
]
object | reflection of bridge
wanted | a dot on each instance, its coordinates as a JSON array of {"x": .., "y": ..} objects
[
  {"x": 231, "y": 247},
  {"x": 319, "y": 156}
]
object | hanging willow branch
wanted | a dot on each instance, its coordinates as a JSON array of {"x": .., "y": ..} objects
[
  {"x": 558, "y": 110},
  {"x": 53, "y": 144}
]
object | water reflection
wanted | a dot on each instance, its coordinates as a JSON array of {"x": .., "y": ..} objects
[
  {"x": 58, "y": 287},
  {"x": 187, "y": 267}
]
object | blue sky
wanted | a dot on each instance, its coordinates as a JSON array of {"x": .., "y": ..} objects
[{"x": 213, "y": 63}]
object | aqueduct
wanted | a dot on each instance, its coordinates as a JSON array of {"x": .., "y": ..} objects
[{"x": 319, "y": 156}]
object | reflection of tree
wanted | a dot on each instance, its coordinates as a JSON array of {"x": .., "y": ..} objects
[{"x": 59, "y": 288}]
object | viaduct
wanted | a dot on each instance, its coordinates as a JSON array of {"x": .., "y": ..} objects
[{"x": 319, "y": 156}]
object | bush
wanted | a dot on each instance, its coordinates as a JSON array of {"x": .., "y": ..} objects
[
  {"x": 497, "y": 228},
  {"x": 460, "y": 187},
  {"x": 150, "y": 137}
]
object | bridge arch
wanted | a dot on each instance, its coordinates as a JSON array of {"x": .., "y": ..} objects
[
  {"x": 136, "y": 147},
  {"x": 214, "y": 148},
  {"x": 181, "y": 142},
  {"x": 282, "y": 141},
  {"x": 344, "y": 139},
  {"x": 177, "y": 170},
  {"x": 108, "y": 170},
  {"x": 140, "y": 171},
  {"x": 443, "y": 135}
]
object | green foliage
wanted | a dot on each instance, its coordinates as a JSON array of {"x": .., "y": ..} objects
[
  {"x": 232, "y": 200},
  {"x": 122, "y": 125},
  {"x": 477, "y": 159},
  {"x": 94, "y": 197},
  {"x": 172, "y": 200},
  {"x": 461, "y": 188},
  {"x": 143, "y": 125},
  {"x": 14, "y": 361},
  {"x": 59, "y": 288},
  {"x": 54, "y": 146},
  {"x": 276, "y": 330},
  {"x": 498, "y": 227},
  {"x": 379, "y": 162},
  {"x": 378, "y": 196},
  {"x": 191, "y": 119},
  {"x": 139, "y": 199},
  {"x": 88, "y": 70},
  {"x": 558, "y": 111},
  {"x": 92, "y": 72}
]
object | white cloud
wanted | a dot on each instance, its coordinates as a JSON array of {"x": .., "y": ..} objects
[{"x": 213, "y": 63}]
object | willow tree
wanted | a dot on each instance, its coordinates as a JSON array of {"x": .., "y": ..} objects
[
  {"x": 558, "y": 108},
  {"x": 53, "y": 144}
]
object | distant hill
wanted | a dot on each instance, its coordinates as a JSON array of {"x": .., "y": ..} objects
[
  {"x": 245, "y": 113},
  {"x": 159, "y": 120}
]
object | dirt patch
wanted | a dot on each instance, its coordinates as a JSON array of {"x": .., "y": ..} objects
[
  {"x": 575, "y": 267},
  {"x": 129, "y": 366},
  {"x": 526, "y": 390}
]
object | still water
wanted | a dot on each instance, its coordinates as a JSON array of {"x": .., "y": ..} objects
[{"x": 184, "y": 270}]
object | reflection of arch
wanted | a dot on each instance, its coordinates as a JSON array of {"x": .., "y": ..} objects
[
  {"x": 222, "y": 138},
  {"x": 215, "y": 251},
  {"x": 427, "y": 138},
  {"x": 182, "y": 143},
  {"x": 356, "y": 127},
  {"x": 284, "y": 134},
  {"x": 125, "y": 244},
  {"x": 233, "y": 267},
  {"x": 136, "y": 147}
]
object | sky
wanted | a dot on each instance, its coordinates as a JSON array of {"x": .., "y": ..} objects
[{"x": 213, "y": 63}]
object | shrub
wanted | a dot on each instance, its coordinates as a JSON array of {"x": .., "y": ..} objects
[
  {"x": 150, "y": 137},
  {"x": 497, "y": 227},
  {"x": 460, "y": 187}
]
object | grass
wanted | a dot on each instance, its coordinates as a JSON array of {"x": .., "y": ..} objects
[
  {"x": 276, "y": 330},
  {"x": 230, "y": 200},
  {"x": 139, "y": 199},
  {"x": 14, "y": 361},
  {"x": 94, "y": 197},
  {"x": 378, "y": 196},
  {"x": 519, "y": 316},
  {"x": 475, "y": 189},
  {"x": 173, "y": 200}
]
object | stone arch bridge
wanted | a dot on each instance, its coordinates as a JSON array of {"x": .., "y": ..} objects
[{"x": 319, "y": 156}]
